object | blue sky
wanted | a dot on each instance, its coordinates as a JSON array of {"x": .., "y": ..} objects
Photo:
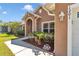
[{"x": 15, "y": 11}]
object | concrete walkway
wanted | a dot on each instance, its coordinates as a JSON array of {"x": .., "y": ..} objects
[{"x": 21, "y": 48}]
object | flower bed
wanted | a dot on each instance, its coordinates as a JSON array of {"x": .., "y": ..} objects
[{"x": 32, "y": 41}]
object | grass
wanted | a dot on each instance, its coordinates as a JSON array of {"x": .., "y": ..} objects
[
  {"x": 4, "y": 35},
  {"x": 4, "y": 50},
  {"x": 11, "y": 37}
]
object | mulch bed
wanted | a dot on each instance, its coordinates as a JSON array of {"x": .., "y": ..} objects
[{"x": 32, "y": 41}]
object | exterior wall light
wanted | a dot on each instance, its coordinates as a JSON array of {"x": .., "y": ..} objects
[{"x": 61, "y": 16}]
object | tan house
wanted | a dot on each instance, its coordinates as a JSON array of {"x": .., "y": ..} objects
[
  {"x": 60, "y": 18},
  {"x": 46, "y": 19}
]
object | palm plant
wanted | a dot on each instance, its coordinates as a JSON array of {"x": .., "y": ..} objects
[
  {"x": 39, "y": 36},
  {"x": 45, "y": 37},
  {"x": 49, "y": 37}
]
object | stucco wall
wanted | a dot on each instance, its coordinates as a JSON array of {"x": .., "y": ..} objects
[{"x": 60, "y": 42}]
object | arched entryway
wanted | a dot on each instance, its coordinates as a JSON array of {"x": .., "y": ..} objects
[{"x": 29, "y": 26}]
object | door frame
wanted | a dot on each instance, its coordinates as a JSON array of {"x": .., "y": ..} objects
[
  {"x": 26, "y": 25},
  {"x": 69, "y": 35}
]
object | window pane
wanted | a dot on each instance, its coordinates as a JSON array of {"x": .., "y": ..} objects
[
  {"x": 45, "y": 30},
  {"x": 51, "y": 30},
  {"x": 52, "y": 25},
  {"x": 45, "y": 25}
]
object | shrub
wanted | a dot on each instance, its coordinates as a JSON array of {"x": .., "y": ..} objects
[
  {"x": 49, "y": 37},
  {"x": 8, "y": 33},
  {"x": 40, "y": 35},
  {"x": 20, "y": 32},
  {"x": 44, "y": 36}
]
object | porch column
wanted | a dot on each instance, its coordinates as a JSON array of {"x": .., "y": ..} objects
[
  {"x": 36, "y": 24},
  {"x": 25, "y": 28},
  {"x": 33, "y": 25}
]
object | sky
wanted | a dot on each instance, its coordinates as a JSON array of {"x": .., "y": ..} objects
[{"x": 15, "y": 11}]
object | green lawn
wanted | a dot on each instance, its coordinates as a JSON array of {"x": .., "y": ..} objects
[{"x": 4, "y": 50}]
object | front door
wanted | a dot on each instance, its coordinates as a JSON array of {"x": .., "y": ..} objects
[{"x": 29, "y": 27}]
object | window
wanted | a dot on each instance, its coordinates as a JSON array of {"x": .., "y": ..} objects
[
  {"x": 48, "y": 27},
  {"x": 77, "y": 14}
]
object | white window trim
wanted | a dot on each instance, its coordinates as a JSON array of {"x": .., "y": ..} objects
[
  {"x": 44, "y": 23},
  {"x": 69, "y": 34}
]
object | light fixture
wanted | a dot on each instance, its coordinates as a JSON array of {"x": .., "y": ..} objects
[{"x": 61, "y": 16}]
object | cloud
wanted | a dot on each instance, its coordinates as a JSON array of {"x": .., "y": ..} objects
[
  {"x": 4, "y": 12},
  {"x": 28, "y": 7}
]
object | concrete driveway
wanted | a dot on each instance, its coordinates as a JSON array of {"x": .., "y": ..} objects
[{"x": 21, "y": 48}]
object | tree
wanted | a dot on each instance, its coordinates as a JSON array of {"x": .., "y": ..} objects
[
  {"x": 0, "y": 21},
  {"x": 14, "y": 26}
]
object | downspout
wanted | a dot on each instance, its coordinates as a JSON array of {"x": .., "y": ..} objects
[{"x": 69, "y": 34}]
